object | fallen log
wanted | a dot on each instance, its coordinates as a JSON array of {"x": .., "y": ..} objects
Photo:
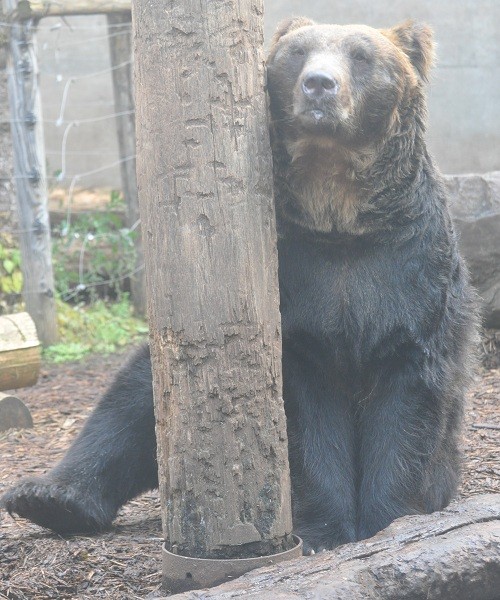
[
  {"x": 452, "y": 554},
  {"x": 19, "y": 352}
]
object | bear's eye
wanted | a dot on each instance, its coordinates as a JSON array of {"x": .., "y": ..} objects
[
  {"x": 360, "y": 55},
  {"x": 297, "y": 51}
]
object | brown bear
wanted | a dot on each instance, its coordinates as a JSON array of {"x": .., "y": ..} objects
[{"x": 378, "y": 318}]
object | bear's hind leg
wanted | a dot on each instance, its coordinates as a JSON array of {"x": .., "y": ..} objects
[
  {"x": 402, "y": 429},
  {"x": 111, "y": 461},
  {"x": 322, "y": 453}
]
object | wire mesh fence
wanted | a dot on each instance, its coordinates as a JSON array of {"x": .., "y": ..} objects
[{"x": 94, "y": 228}]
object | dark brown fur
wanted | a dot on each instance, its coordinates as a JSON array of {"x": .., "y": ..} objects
[{"x": 378, "y": 319}]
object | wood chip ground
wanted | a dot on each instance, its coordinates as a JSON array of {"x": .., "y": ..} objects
[{"x": 125, "y": 563}]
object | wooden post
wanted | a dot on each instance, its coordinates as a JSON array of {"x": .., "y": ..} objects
[
  {"x": 123, "y": 89},
  {"x": 31, "y": 185},
  {"x": 205, "y": 188},
  {"x": 36, "y": 9}
]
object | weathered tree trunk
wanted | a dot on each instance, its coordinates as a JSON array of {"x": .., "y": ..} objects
[
  {"x": 205, "y": 189},
  {"x": 450, "y": 555},
  {"x": 30, "y": 176},
  {"x": 123, "y": 89}
]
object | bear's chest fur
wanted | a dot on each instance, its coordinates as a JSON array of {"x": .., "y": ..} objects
[{"x": 341, "y": 305}]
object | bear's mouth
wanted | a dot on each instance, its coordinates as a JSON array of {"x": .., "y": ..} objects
[
  {"x": 316, "y": 119},
  {"x": 317, "y": 114}
]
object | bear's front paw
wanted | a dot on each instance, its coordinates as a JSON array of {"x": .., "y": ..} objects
[
  {"x": 53, "y": 506},
  {"x": 308, "y": 549}
]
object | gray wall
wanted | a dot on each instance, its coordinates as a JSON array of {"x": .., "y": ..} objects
[
  {"x": 464, "y": 93},
  {"x": 62, "y": 54}
]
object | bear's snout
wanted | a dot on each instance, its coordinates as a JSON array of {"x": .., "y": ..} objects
[
  {"x": 318, "y": 95},
  {"x": 316, "y": 84}
]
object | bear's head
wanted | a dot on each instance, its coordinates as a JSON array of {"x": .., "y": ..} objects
[{"x": 348, "y": 84}]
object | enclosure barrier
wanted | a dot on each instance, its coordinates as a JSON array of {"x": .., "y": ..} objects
[{"x": 29, "y": 149}]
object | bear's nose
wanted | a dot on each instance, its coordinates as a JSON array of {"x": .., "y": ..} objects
[{"x": 318, "y": 83}]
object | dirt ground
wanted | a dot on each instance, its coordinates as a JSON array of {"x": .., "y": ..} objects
[{"x": 125, "y": 563}]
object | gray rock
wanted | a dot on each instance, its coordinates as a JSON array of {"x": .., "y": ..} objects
[
  {"x": 14, "y": 413},
  {"x": 475, "y": 206}
]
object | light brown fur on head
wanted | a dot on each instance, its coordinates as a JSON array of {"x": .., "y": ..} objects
[
  {"x": 334, "y": 140},
  {"x": 416, "y": 41},
  {"x": 288, "y": 25}
]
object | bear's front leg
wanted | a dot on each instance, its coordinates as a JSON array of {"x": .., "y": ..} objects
[
  {"x": 322, "y": 453},
  {"x": 111, "y": 461},
  {"x": 408, "y": 455}
]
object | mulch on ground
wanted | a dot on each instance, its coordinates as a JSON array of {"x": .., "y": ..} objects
[{"x": 125, "y": 562}]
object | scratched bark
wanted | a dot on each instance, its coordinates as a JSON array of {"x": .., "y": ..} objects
[{"x": 205, "y": 189}]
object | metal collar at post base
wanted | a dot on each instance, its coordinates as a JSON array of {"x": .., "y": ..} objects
[{"x": 183, "y": 573}]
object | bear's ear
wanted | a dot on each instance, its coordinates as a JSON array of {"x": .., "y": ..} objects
[
  {"x": 416, "y": 41},
  {"x": 288, "y": 25}
]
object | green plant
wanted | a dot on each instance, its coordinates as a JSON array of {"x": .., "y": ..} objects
[
  {"x": 94, "y": 253},
  {"x": 11, "y": 279},
  {"x": 98, "y": 327}
]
